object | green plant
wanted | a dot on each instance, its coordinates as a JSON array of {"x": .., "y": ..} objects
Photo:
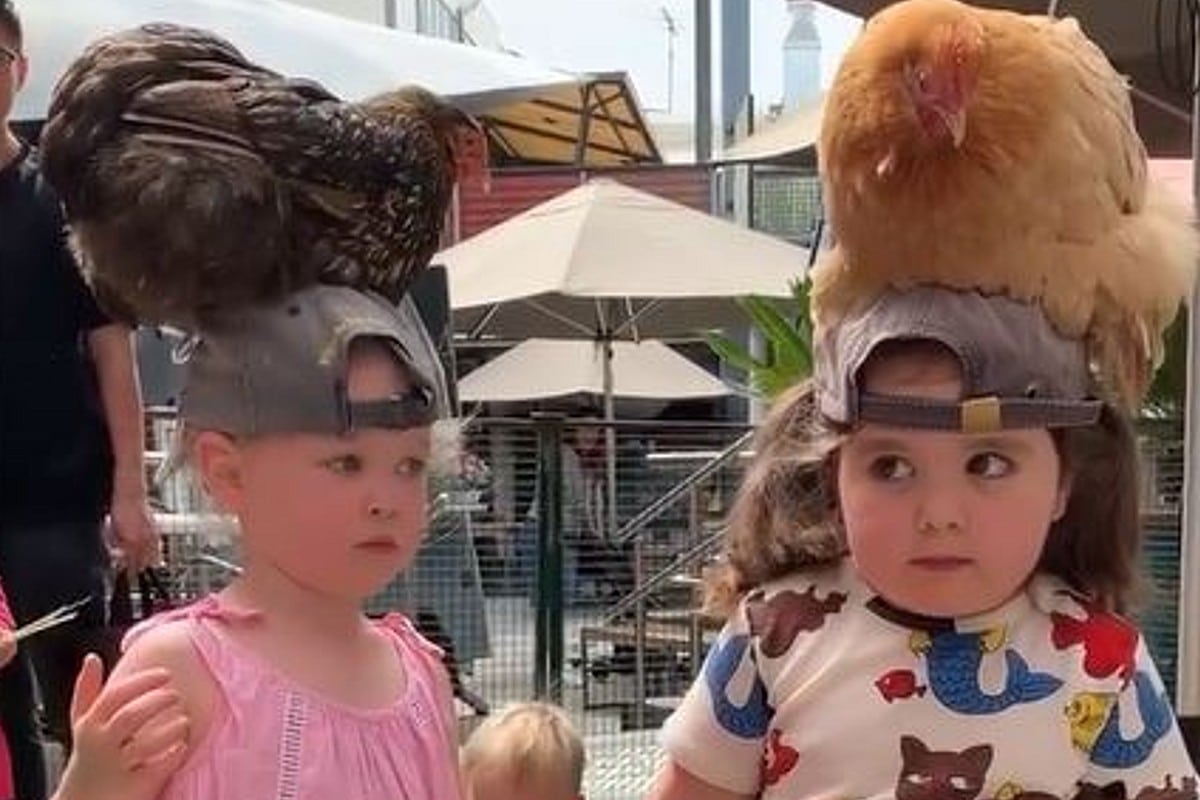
[
  {"x": 787, "y": 335},
  {"x": 1168, "y": 391}
]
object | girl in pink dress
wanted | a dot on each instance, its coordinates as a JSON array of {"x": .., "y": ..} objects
[{"x": 309, "y": 421}]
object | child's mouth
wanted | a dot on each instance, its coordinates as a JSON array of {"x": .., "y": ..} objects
[
  {"x": 940, "y": 563},
  {"x": 381, "y": 546}
]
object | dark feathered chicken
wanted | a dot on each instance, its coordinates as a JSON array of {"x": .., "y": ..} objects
[{"x": 194, "y": 179}]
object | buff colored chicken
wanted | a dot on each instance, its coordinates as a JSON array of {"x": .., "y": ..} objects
[{"x": 985, "y": 149}]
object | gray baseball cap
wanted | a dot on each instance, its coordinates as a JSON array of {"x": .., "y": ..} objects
[
  {"x": 1017, "y": 370},
  {"x": 282, "y": 368}
]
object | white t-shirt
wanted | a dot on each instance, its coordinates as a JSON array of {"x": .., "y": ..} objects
[{"x": 817, "y": 688}]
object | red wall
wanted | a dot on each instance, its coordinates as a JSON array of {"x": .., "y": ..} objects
[{"x": 514, "y": 191}]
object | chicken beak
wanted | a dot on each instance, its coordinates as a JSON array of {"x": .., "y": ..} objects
[{"x": 956, "y": 123}]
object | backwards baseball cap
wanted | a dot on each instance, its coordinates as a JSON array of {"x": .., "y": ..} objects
[
  {"x": 282, "y": 368},
  {"x": 1017, "y": 370}
]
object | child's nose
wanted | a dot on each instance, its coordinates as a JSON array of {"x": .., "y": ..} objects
[
  {"x": 381, "y": 500},
  {"x": 380, "y": 511},
  {"x": 940, "y": 511}
]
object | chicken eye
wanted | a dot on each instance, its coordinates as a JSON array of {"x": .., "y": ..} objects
[{"x": 921, "y": 77}]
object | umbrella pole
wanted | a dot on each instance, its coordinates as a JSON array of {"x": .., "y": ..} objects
[
  {"x": 1187, "y": 690},
  {"x": 610, "y": 445}
]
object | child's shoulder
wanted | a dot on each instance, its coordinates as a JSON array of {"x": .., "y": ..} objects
[
  {"x": 168, "y": 645},
  {"x": 1054, "y": 599},
  {"x": 167, "y": 641},
  {"x": 837, "y": 577}
]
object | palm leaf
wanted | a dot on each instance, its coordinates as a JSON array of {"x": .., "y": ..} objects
[{"x": 788, "y": 339}]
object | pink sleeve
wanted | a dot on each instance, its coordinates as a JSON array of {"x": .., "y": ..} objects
[{"x": 6, "y": 620}]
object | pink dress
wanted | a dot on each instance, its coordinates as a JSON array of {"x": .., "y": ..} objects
[
  {"x": 271, "y": 739},
  {"x": 6, "y": 780}
]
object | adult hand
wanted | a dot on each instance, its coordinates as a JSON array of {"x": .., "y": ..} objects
[{"x": 132, "y": 531}]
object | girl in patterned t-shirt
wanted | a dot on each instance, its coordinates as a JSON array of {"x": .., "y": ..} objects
[{"x": 926, "y": 561}]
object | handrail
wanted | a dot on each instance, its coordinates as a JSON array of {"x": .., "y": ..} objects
[
  {"x": 651, "y": 512},
  {"x": 651, "y": 584}
]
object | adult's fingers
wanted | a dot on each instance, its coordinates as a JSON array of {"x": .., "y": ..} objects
[
  {"x": 124, "y": 690},
  {"x": 88, "y": 683},
  {"x": 131, "y": 717},
  {"x": 156, "y": 740}
]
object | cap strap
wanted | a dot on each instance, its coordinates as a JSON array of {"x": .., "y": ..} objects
[
  {"x": 977, "y": 414},
  {"x": 413, "y": 410}
]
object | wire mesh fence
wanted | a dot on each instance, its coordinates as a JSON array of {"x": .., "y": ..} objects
[
  {"x": 1162, "y": 483},
  {"x": 594, "y": 608}
]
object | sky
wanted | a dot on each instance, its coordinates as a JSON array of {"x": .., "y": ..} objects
[{"x": 631, "y": 35}]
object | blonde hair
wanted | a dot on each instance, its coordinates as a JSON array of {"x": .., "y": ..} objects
[{"x": 525, "y": 740}]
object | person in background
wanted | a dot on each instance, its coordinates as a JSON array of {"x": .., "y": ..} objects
[
  {"x": 527, "y": 751},
  {"x": 70, "y": 437}
]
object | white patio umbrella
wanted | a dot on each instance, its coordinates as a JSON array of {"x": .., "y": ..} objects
[
  {"x": 352, "y": 59},
  {"x": 789, "y": 134},
  {"x": 606, "y": 262},
  {"x": 544, "y": 368}
]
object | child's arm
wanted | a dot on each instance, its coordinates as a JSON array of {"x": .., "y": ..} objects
[
  {"x": 167, "y": 651},
  {"x": 130, "y": 735},
  {"x": 446, "y": 700},
  {"x": 676, "y": 783}
]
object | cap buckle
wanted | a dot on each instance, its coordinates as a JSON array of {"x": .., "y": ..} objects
[{"x": 980, "y": 415}]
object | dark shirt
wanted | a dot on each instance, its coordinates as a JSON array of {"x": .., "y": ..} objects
[{"x": 55, "y": 454}]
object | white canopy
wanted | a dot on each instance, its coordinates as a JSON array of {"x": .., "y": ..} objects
[
  {"x": 791, "y": 133},
  {"x": 352, "y": 59},
  {"x": 607, "y": 241},
  {"x": 544, "y": 368}
]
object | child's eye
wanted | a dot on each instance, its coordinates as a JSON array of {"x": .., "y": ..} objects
[
  {"x": 891, "y": 468},
  {"x": 411, "y": 466},
  {"x": 989, "y": 465},
  {"x": 344, "y": 465}
]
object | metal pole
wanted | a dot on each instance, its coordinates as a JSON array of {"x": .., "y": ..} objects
[
  {"x": 548, "y": 635},
  {"x": 1187, "y": 693},
  {"x": 639, "y": 640},
  {"x": 703, "y": 80},
  {"x": 609, "y": 520}
]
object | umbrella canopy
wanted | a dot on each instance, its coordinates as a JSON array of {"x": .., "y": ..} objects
[
  {"x": 531, "y": 112},
  {"x": 543, "y": 368},
  {"x": 352, "y": 59},
  {"x": 1144, "y": 41},
  {"x": 782, "y": 139},
  {"x": 599, "y": 256},
  {"x": 604, "y": 260}
]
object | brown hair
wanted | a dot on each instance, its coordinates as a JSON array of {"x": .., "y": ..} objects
[{"x": 785, "y": 515}]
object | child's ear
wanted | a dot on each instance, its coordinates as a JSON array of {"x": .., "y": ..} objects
[
  {"x": 1065, "y": 482},
  {"x": 219, "y": 463}
]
